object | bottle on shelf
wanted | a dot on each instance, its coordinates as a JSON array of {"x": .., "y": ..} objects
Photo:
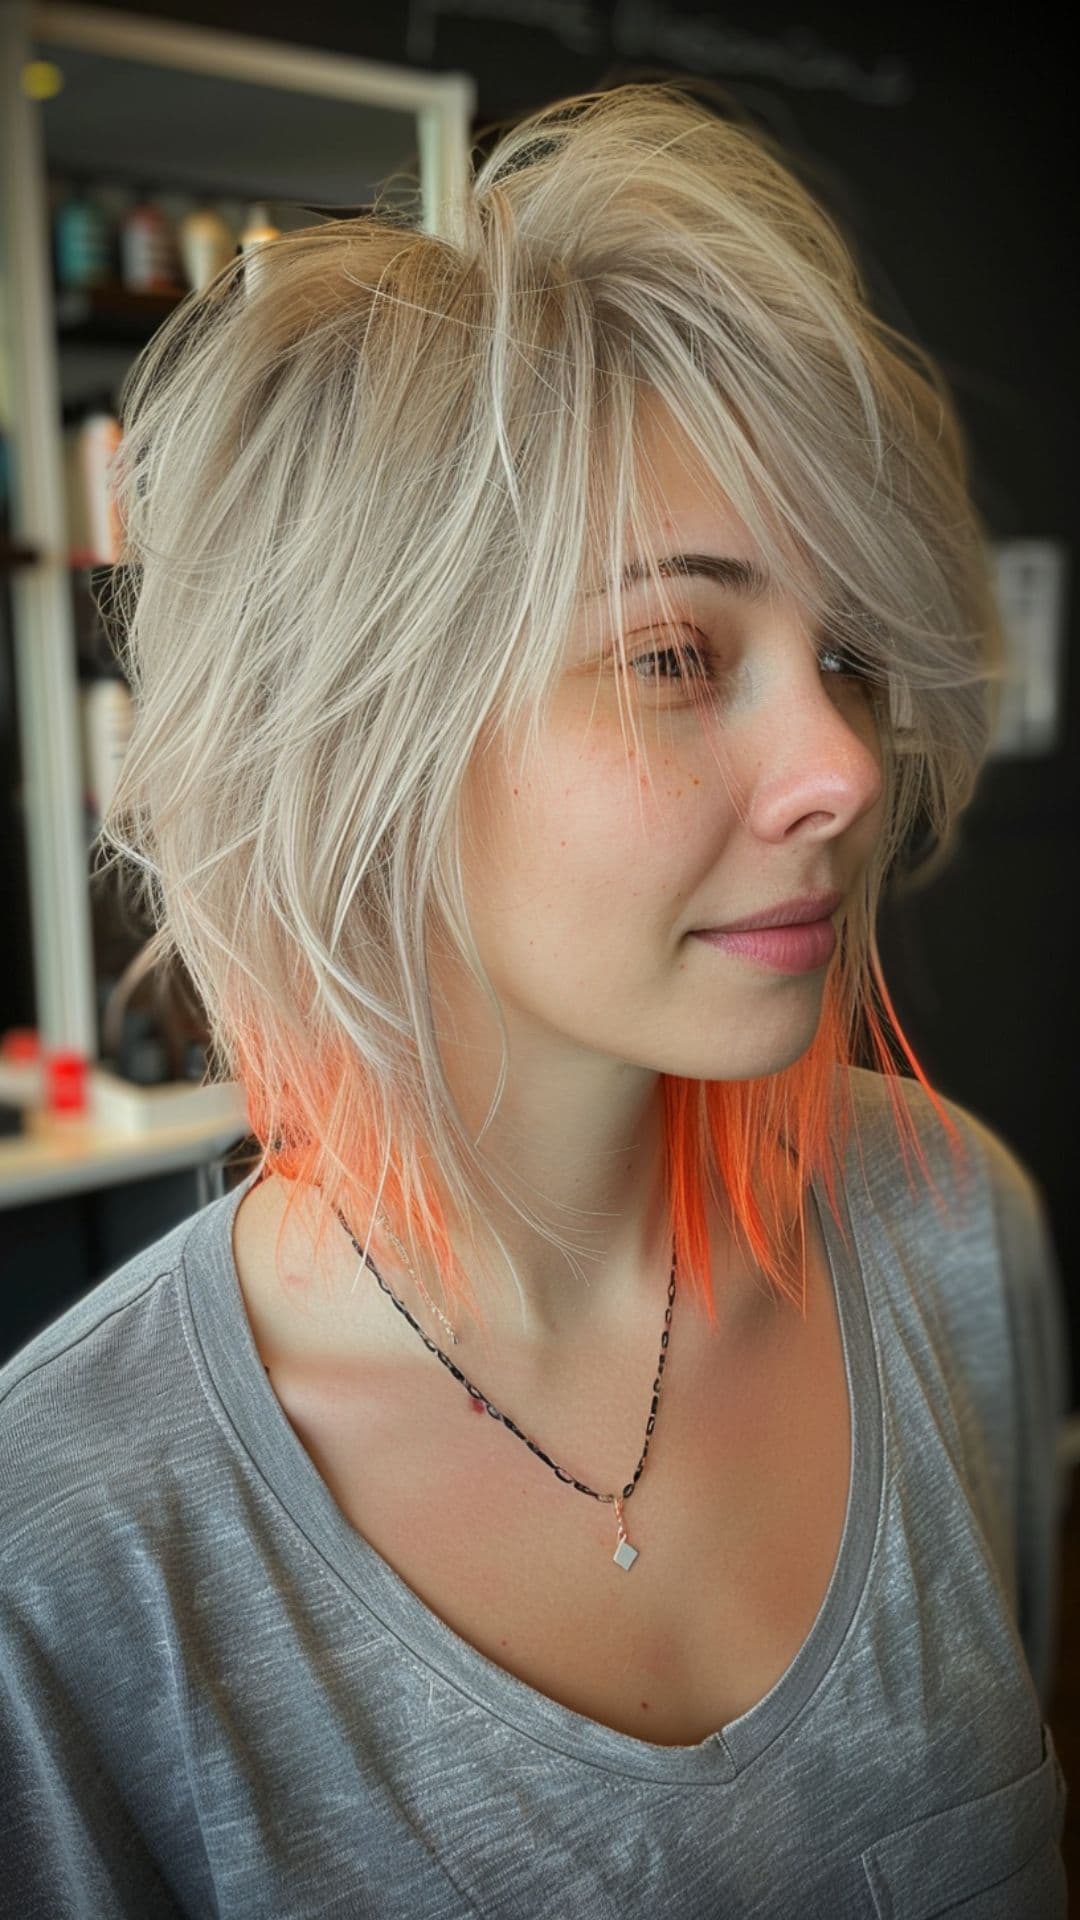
[
  {"x": 82, "y": 241},
  {"x": 257, "y": 228},
  {"x": 149, "y": 261},
  {"x": 92, "y": 434},
  {"x": 106, "y": 707},
  {"x": 207, "y": 244},
  {"x": 107, "y": 718}
]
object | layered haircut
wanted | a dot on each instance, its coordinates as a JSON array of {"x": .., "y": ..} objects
[{"x": 368, "y": 479}]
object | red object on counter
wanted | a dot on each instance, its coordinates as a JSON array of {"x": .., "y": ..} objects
[
  {"x": 20, "y": 1046},
  {"x": 65, "y": 1082}
]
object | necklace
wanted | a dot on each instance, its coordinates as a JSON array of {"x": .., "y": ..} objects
[{"x": 625, "y": 1554}]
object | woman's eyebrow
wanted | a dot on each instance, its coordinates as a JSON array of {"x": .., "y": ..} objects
[{"x": 743, "y": 578}]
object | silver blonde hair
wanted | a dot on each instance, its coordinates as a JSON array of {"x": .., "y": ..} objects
[{"x": 363, "y": 490}]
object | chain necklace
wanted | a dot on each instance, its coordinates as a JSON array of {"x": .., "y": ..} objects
[{"x": 625, "y": 1554}]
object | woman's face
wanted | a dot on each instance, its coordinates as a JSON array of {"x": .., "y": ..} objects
[{"x": 584, "y": 886}]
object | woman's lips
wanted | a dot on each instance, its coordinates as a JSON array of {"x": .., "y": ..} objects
[{"x": 785, "y": 949}]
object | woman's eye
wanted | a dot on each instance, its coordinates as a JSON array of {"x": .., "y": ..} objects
[
  {"x": 683, "y": 663},
  {"x": 674, "y": 664},
  {"x": 838, "y": 660},
  {"x": 864, "y": 683}
]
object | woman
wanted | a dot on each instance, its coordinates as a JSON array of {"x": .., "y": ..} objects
[{"x": 506, "y": 612}]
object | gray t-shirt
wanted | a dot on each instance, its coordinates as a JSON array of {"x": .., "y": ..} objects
[{"x": 217, "y": 1699}]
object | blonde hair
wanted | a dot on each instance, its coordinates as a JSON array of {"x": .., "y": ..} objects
[{"x": 362, "y": 491}]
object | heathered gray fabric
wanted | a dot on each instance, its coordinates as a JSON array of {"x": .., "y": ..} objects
[{"x": 218, "y": 1700}]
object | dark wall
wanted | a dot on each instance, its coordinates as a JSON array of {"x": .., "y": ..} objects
[{"x": 943, "y": 148}]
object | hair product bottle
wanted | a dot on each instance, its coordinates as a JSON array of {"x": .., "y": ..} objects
[
  {"x": 82, "y": 243},
  {"x": 257, "y": 227},
  {"x": 207, "y": 243},
  {"x": 148, "y": 256},
  {"x": 95, "y": 534}
]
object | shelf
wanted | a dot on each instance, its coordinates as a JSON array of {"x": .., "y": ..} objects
[
  {"x": 209, "y": 113},
  {"x": 112, "y": 315},
  {"x": 68, "y": 1157},
  {"x": 130, "y": 1133}
]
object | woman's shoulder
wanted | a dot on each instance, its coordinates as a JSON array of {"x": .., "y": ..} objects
[
  {"x": 961, "y": 1230},
  {"x": 84, "y": 1401},
  {"x": 976, "y": 1257},
  {"x": 952, "y": 1139}
]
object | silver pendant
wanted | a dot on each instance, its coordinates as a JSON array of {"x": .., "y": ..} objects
[{"x": 624, "y": 1555}]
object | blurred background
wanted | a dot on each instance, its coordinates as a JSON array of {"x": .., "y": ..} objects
[{"x": 141, "y": 149}]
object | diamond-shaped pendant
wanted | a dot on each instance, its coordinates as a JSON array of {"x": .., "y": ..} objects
[{"x": 625, "y": 1555}]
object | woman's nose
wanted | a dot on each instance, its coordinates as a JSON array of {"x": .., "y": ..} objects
[{"x": 818, "y": 759}]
